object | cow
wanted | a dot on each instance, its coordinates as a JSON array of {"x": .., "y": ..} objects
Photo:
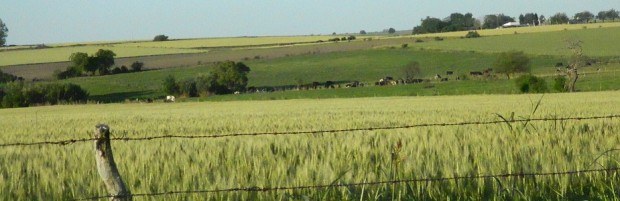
[
  {"x": 170, "y": 99},
  {"x": 437, "y": 76},
  {"x": 449, "y": 72},
  {"x": 445, "y": 79}
]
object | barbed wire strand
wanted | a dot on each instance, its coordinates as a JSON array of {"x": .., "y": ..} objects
[
  {"x": 72, "y": 141},
  {"x": 266, "y": 189}
]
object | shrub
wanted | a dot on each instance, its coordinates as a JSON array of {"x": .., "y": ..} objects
[
  {"x": 160, "y": 38},
  {"x": 405, "y": 45},
  {"x": 188, "y": 88},
  {"x": 124, "y": 69},
  {"x": 472, "y": 34},
  {"x": 438, "y": 38},
  {"x": 559, "y": 83},
  {"x": 531, "y": 84},
  {"x": 71, "y": 71},
  {"x": 137, "y": 66},
  {"x": 170, "y": 86},
  {"x": 116, "y": 70},
  {"x": 18, "y": 94}
]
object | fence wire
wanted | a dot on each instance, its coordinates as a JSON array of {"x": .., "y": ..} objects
[
  {"x": 267, "y": 189},
  {"x": 503, "y": 121}
]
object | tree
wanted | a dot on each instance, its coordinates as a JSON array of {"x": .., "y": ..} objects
[
  {"x": 494, "y": 21},
  {"x": 531, "y": 19},
  {"x": 82, "y": 62},
  {"x": 522, "y": 19},
  {"x": 391, "y": 30},
  {"x": 170, "y": 85},
  {"x": 601, "y": 15},
  {"x": 542, "y": 19},
  {"x": 362, "y": 32},
  {"x": 578, "y": 60},
  {"x": 3, "y": 31},
  {"x": 559, "y": 18},
  {"x": 137, "y": 66},
  {"x": 104, "y": 59},
  {"x": 512, "y": 62},
  {"x": 228, "y": 77},
  {"x": 411, "y": 71},
  {"x": 160, "y": 38},
  {"x": 584, "y": 17},
  {"x": 612, "y": 14},
  {"x": 531, "y": 84}
]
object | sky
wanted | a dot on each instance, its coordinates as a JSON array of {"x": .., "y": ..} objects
[{"x": 65, "y": 21}]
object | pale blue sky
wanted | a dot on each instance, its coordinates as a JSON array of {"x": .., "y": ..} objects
[{"x": 56, "y": 21}]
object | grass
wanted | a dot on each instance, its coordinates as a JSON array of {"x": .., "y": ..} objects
[
  {"x": 597, "y": 42},
  {"x": 228, "y": 42},
  {"x": 522, "y": 30},
  {"x": 367, "y": 66},
  {"x": 60, "y": 54},
  {"x": 68, "y": 172}
]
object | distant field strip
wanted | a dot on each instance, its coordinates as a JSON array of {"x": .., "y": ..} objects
[
  {"x": 526, "y": 29},
  {"x": 227, "y": 42},
  {"x": 59, "y": 54}
]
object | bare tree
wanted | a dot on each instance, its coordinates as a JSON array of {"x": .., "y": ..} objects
[
  {"x": 577, "y": 61},
  {"x": 411, "y": 70}
]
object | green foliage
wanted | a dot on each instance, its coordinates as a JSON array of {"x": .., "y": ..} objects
[
  {"x": 494, "y": 21},
  {"x": 559, "y": 83},
  {"x": 137, "y": 66},
  {"x": 472, "y": 34},
  {"x": 531, "y": 84},
  {"x": 19, "y": 94},
  {"x": 100, "y": 62},
  {"x": 3, "y": 33},
  {"x": 188, "y": 88},
  {"x": 104, "y": 59},
  {"x": 559, "y": 18},
  {"x": 160, "y": 38},
  {"x": 228, "y": 77},
  {"x": 170, "y": 86},
  {"x": 454, "y": 22},
  {"x": 512, "y": 62},
  {"x": 391, "y": 30},
  {"x": 6, "y": 77}
]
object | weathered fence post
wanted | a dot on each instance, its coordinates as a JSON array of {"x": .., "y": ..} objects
[{"x": 106, "y": 165}]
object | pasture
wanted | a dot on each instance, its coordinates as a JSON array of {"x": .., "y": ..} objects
[{"x": 52, "y": 172}]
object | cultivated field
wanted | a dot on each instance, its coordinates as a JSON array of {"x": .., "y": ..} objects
[{"x": 52, "y": 172}]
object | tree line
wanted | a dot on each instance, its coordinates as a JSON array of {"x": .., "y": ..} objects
[
  {"x": 463, "y": 22},
  {"x": 99, "y": 63},
  {"x": 22, "y": 94},
  {"x": 224, "y": 78}
]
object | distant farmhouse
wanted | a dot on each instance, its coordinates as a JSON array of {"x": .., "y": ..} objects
[{"x": 511, "y": 24}]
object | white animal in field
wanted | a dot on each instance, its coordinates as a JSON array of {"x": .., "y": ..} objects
[{"x": 169, "y": 98}]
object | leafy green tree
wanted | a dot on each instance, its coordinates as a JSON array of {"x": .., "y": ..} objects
[
  {"x": 170, "y": 85},
  {"x": 3, "y": 33},
  {"x": 602, "y": 15},
  {"x": 104, "y": 60},
  {"x": 512, "y": 62},
  {"x": 228, "y": 77},
  {"x": 363, "y": 32},
  {"x": 160, "y": 38},
  {"x": 559, "y": 18},
  {"x": 82, "y": 62},
  {"x": 612, "y": 14},
  {"x": 494, "y": 21},
  {"x": 137, "y": 66},
  {"x": 585, "y": 16},
  {"x": 391, "y": 30}
]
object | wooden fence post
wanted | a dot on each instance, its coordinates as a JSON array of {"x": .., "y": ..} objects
[{"x": 106, "y": 165}]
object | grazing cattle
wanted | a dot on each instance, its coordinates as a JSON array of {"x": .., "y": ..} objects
[
  {"x": 449, "y": 72},
  {"x": 475, "y": 73},
  {"x": 393, "y": 82},
  {"x": 236, "y": 92},
  {"x": 170, "y": 99},
  {"x": 437, "y": 76},
  {"x": 598, "y": 70},
  {"x": 329, "y": 84},
  {"x": 445, "y": 79}
]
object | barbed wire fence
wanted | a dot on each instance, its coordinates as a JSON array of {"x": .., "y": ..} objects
[
  {"x": 464, "y": 123},
  {"x": 267, "y": 189},
  {"x": 333, "y": 131}
]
